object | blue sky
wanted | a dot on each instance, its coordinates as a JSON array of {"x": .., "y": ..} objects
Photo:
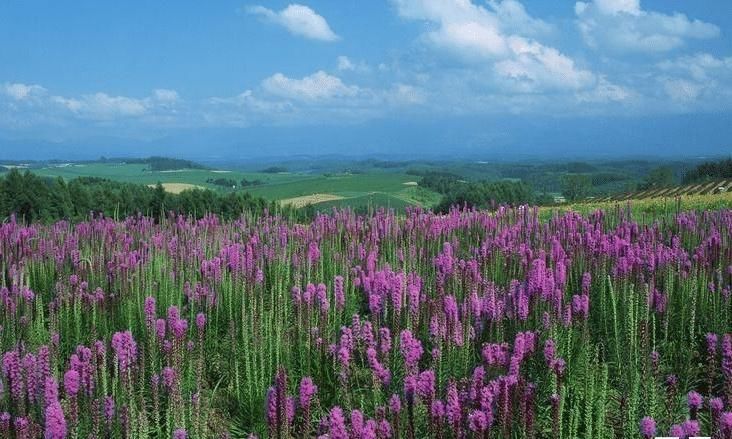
[{"x": 607, "y": 77}]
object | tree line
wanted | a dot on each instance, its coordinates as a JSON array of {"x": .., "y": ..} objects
[
  {"x": 33, "y": 198},
  {"x": 710, "y": 171},
  {"x": 478, "y": 194}
]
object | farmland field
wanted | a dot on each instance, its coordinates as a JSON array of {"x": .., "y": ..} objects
[
  {"x": 396, "y": 190},
  {"x": 471, "y": 324},
  {"x": 138, "y": 173}
]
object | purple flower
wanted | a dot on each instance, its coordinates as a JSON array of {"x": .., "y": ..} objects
[
  {"x": 357, "y": 423},
  {"x": 50, "y": 390},
  {"x": 337, "y": 424},
  {"x": 550, "y": 351},
  {"x": 5, "y": 423},
  {"x": 125, "y": 349},
  {"x": 321, "y": 294},
  {"x": 712, "y": 341},
  {"x": 108, "y": 409},
  {"x": 313, "y": 252},
  {"x": 411, "y": 349},
  {"x": 71, "y": 382},
  {"x": 307, "y": 390},
  {"x": 676, "y": 431},
  {"x": 369, "y": 430},
  {"x": 12, "y": 371},
  {"x": 426, "y": 385},
  {"x": 410, "y": 388},
  {"x": 180, "y": 433},
  {"x": 149, "y": 310},
  {"x": 173, "y": 314},
  {"x": 200, "y": 321},
  {"x": 438, "y": 409},
  {"x": 717, "y": 405},
  {"x": 55, "y": 422},
  {"x": 477, "y": 421},
  {"x": 727, "y": 359},
  {"x": 160, "y": 328},
  {"x": 169, "y": 377},
  {"x": 452, "y": 406},
  {"x": 395, "y": 404},
  {"x": 581, "y": 305},
  {"x": 340, "y": 297},
  {"x": 384, "y": 340},
  {"x": 691, "y": 427},
  {"x": 725, "y": 422},
  {"x": 694, "y": 400},
  {"x": 179, "y": 328},
  {"x": 648, "y": 427},
  {"x": 271, "y": 407}
]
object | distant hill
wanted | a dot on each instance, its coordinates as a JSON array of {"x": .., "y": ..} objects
[{"x": 157, "y": 163}]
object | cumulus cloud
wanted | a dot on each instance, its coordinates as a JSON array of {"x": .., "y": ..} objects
[
  {"x": 700, "y": 80},
  {"x": 299, "y": 20},
  {"x": 500, "y": 35},
  {"x": 622, "y": 25},
  {"x": 534, "y": 65}
]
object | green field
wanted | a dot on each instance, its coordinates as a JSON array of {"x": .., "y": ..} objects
[{"x": 390, "y": 189}]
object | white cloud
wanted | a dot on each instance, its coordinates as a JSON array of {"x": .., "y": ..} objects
[
  {"x": 682, "y": 90},
  {"x": 405, "y": 94},
  {"x": 345, "y": 64},
  {"x": 318, "y": 86},
  {"x": 299, "y": 20},
  {"x": 617, "y": 6},
  {"x": 36, "y": 103},
  {"x": 700, "y": 67},
  {"x": 622, "y": 25},
  {"x": 513, "y": 17},
  {"x": 101, "y": 106},
  {"x": 20, "y": 92},
  {"x": 605, "y": 92},
  {"x": 699, "y": 79},
  {"x": 499, "y": 36},
  {"x": 165, "y": 95},
  {"x": 316, "y": 98},
  {"x": 534, "y": 65}
]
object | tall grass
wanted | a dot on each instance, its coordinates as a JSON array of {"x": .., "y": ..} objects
[{"x": 471, "y": 324}]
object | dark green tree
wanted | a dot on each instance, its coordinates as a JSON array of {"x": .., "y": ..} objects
[{"x": 576, "y": 186}]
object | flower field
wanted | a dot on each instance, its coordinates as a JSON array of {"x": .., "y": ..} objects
[{"x": 471, "y": 324}]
